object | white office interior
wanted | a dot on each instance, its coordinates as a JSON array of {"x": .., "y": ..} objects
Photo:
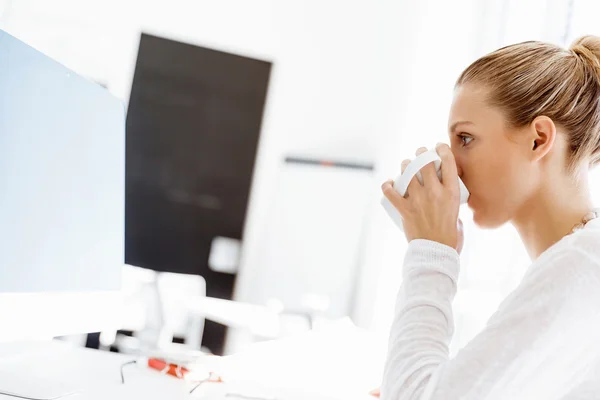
[{"x": 299, "y": 293}]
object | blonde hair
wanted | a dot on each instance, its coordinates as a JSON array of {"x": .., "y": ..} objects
[{"x": 531, "y": 79}]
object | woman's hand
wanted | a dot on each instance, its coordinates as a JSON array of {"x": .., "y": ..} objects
[{"x": 430, "y": 211}]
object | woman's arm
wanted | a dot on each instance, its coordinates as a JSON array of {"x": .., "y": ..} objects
[
  {"x": 423, "y": 324},
  {"x": 526, "y": 345}
]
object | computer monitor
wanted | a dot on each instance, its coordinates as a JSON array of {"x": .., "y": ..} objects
[{"x": 62, "y": 172}]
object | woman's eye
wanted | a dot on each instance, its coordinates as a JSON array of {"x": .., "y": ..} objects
[{"x": 465, "y": 139}]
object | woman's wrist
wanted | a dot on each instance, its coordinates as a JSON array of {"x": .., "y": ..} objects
[{"x": 429, "y": 254}]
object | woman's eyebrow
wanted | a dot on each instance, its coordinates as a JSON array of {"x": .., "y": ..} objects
[{"x": 456, "y": 124}]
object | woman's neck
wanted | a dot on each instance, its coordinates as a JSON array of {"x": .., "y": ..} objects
[{"x": 552, "y": 213}]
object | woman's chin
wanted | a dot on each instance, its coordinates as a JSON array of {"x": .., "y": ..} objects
[
  {"x": 479, "y": 217},
  {"x": 477, "y": 220},
  {"x": 480, "y": 223},
  {"x": 486, "y": 221}
]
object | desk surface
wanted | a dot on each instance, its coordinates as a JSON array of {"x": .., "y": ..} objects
[
  {"x": 340, "y": 363},
  {"x": 95, "y": 374}
]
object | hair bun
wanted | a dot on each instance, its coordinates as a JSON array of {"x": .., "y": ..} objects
[{"x": 587, "y": 48}]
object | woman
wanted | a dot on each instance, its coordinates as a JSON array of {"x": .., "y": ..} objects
[{"x": 524, "y": 129}]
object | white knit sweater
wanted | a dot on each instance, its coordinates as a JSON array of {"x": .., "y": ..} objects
[{"x": 542, "y": 343}]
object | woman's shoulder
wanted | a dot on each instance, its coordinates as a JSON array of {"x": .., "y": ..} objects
[
  {"x": 565, "y": 278},
  {"x": 584, "y": 243},
  {"x": 575, "y": 260},
  {"x": 587, "y": 240}
]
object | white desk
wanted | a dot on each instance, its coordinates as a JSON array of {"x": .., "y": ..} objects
[
  {"x": 96, "y": 374},
  {"x": 341, "y": 363}
]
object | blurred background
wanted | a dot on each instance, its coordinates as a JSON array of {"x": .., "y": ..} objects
[{"x": 258, "y": 133}]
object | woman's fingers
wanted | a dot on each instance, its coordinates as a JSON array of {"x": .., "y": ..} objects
[
  {"x": 430, "y": 211},
  {"x": 420, "y": 151},
  {"x": 413, "y": 185},
  {"x": 428, "y": 173},
  {"x": 449, "y": 170},
  {"x": 393, "y": 196},
  {"x": 405, "y": 164}
]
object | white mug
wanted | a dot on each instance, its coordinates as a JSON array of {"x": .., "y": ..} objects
[{"x": 413, "y": 169}]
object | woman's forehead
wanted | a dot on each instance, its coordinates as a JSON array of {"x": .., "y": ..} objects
[
  {"x": 467, "y": 98},
  {"x": 469, "y": 104}
]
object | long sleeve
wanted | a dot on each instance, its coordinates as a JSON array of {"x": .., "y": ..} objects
[
  {"x": 423, "y": 324},
  {"x": 548, "y": 325}
]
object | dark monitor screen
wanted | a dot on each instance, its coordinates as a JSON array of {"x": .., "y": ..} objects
[{"x": 193, "y": 126}]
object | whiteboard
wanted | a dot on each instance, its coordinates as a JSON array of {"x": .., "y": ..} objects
[{"x": 313, "y": 237}]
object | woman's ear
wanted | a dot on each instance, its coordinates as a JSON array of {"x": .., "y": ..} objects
[{"x": 543, "y": 136}]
